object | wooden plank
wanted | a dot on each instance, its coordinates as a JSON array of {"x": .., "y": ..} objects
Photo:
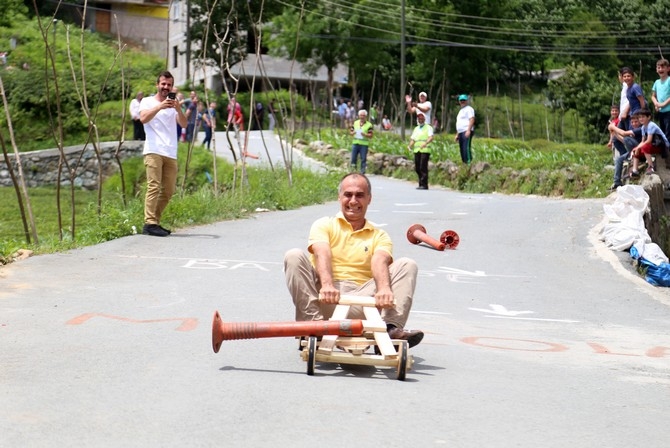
[{"x": 328, "y": 341}]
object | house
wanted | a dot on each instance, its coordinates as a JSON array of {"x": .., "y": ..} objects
[{"x": 148, "y": 22}]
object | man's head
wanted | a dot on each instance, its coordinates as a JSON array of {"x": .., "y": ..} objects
[
  {"x": 363, "y": 115},
  {"x": 662, "y": 66},
  {"x": 420, "y": 117},
  {"x": 463, "y": 99},
  {"x": 614, "y": 111},
  {"x": 140, "y": 95},
  {"x": 628, "y": 75},
  {"x": 423, "y": 96},
  {"x": 644, "y": 115},
  {"x": 355, "y": 194},
  {"x": 164, "y": 84}
]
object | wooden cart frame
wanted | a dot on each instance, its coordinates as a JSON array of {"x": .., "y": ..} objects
[{"x": 354, "y": 350}]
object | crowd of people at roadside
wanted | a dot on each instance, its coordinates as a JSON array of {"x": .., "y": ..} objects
[{"x": 635, "y": 139}]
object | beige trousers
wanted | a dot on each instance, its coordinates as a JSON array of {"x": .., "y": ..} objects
[
  {"x": 161, "y": 185},
  {"x": 304, "y": 285}
]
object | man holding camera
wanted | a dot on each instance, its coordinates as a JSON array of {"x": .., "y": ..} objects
[{"x": 160, "y": 115}]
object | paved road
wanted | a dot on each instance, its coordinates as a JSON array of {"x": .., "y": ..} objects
[{"x": 537, "y": 336}]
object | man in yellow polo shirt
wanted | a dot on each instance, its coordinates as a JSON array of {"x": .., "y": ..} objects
[{"x": 351, "y": 256}]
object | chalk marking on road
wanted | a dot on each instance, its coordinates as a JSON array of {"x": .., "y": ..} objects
[
  {"x": 500, "y": 310},
  {"x": 415, "y": 204},
  {"x": 187, "y": 323},
  {"x": 416, "y": 212}
]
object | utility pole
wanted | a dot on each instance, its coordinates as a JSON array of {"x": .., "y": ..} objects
[
  {"x": 402, "y": 67},
  {"x": 188, "y": 42}
]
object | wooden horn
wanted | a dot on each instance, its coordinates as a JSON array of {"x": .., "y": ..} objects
[{"x": 225, "y": 331}]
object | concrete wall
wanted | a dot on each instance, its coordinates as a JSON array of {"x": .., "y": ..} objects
[{"x": 41, "y": 167}]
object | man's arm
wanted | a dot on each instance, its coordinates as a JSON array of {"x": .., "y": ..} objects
[
  {"x": 323, "y": 259},
  {"x": 643, "y": 102},
  {"x": 381, "y": 260}
]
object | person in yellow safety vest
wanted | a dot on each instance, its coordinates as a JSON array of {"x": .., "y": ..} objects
[
  {"x": 419, "y": 142},
  {"x": 362, "y": 133}
]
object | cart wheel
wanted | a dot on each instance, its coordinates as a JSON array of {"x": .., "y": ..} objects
[
  {"x": 402, "y": 360},
  {"x": 311, "y": 355}
]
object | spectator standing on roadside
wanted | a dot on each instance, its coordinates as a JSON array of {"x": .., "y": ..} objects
[
  {"x": 362, "y": 133},
  {"x": 634, "y": 95},
  {"x": 259, "y": 113},
  {"x": 624, "y": 120},
  {"x": 138, "y": 127},
  {"x": 614, "y": 143},
  {"x": 206, "y": 124},
  {"x": 424, "y": 106},
  {"x": 160, "y": 115},
  {"x": 191, "y": 117},
  {"x": 465, "y": 128},
  {"x": 661, "y": 96},
  {"x": 625, "y": 140},
  {"x": 342, "y": 113},
  {"x": 422, "y": 136}
]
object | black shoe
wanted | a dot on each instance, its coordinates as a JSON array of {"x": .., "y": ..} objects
[
  {"x": 614, "y": 186},
  {"x": 412, "y": 337},
  {"x": 420, "y": 187},
  {"x": 153, "y": 230},
  {"x": 164, "y": 229}
]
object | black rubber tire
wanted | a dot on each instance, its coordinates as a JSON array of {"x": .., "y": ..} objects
[
  {"x": 402, "y": 360},
  {"x": 311, "y": 355}
]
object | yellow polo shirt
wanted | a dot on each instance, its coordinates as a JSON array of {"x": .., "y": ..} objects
[{"x": 352, "y": 250}]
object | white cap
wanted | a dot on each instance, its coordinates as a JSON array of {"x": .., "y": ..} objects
[{"x": 424, "y": 94}]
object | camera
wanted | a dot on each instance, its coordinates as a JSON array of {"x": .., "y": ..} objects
[{"x": 172, "y": 96}]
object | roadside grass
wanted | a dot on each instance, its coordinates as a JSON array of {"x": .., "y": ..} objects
[{"x": 194, "y": 204}]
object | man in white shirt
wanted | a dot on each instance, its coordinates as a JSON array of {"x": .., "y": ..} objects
[
  {"x": 465, "y": 127},
  {"x": 160, "y": 114},
  {"x": 424, "y": 106},
  {"x": 138, "y": 127}
]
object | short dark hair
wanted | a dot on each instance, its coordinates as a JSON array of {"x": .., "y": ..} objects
[
  {"x": 664, "y": 62},
  {"x": 644, "y": 111},
  {"x": 627, "y": 70},
  {"x": 164, "y": 74},
  {"x": 615, "y": 106}
]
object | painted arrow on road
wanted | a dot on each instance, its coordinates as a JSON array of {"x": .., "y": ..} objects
[{"x": 500, "y": 310}]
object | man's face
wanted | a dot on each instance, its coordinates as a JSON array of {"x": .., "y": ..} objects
[
  {"x": 363, "y": 117},
  {"x": 423, "y": 98},
  {"x": 628, "y": 78},
  {"x": 164, "y": 86},
  {"x": 421, "y": 118},
  {"x": 354, "y": 198}
]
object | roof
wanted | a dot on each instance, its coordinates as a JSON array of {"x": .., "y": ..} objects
[{"x": 279, "y": 68}]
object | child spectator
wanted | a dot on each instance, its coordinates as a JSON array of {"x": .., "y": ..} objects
[
  {"x": 634, "y": 94},
  {"x": 386, "y": 123},
  {"x": 653, "y": 142},
  {"x": 626, "y": 140},
  {"x": 617, "y": 150},
  {"x": 623, "y": 104},
  {"x": 661, "y": 96}
]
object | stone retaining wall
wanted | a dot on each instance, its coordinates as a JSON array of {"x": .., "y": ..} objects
[{"x": 41, "y": 167}]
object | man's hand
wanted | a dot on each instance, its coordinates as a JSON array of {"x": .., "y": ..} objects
[
  {"x": 384, "y": 299},
  {"x": 329, "y": 294}
]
